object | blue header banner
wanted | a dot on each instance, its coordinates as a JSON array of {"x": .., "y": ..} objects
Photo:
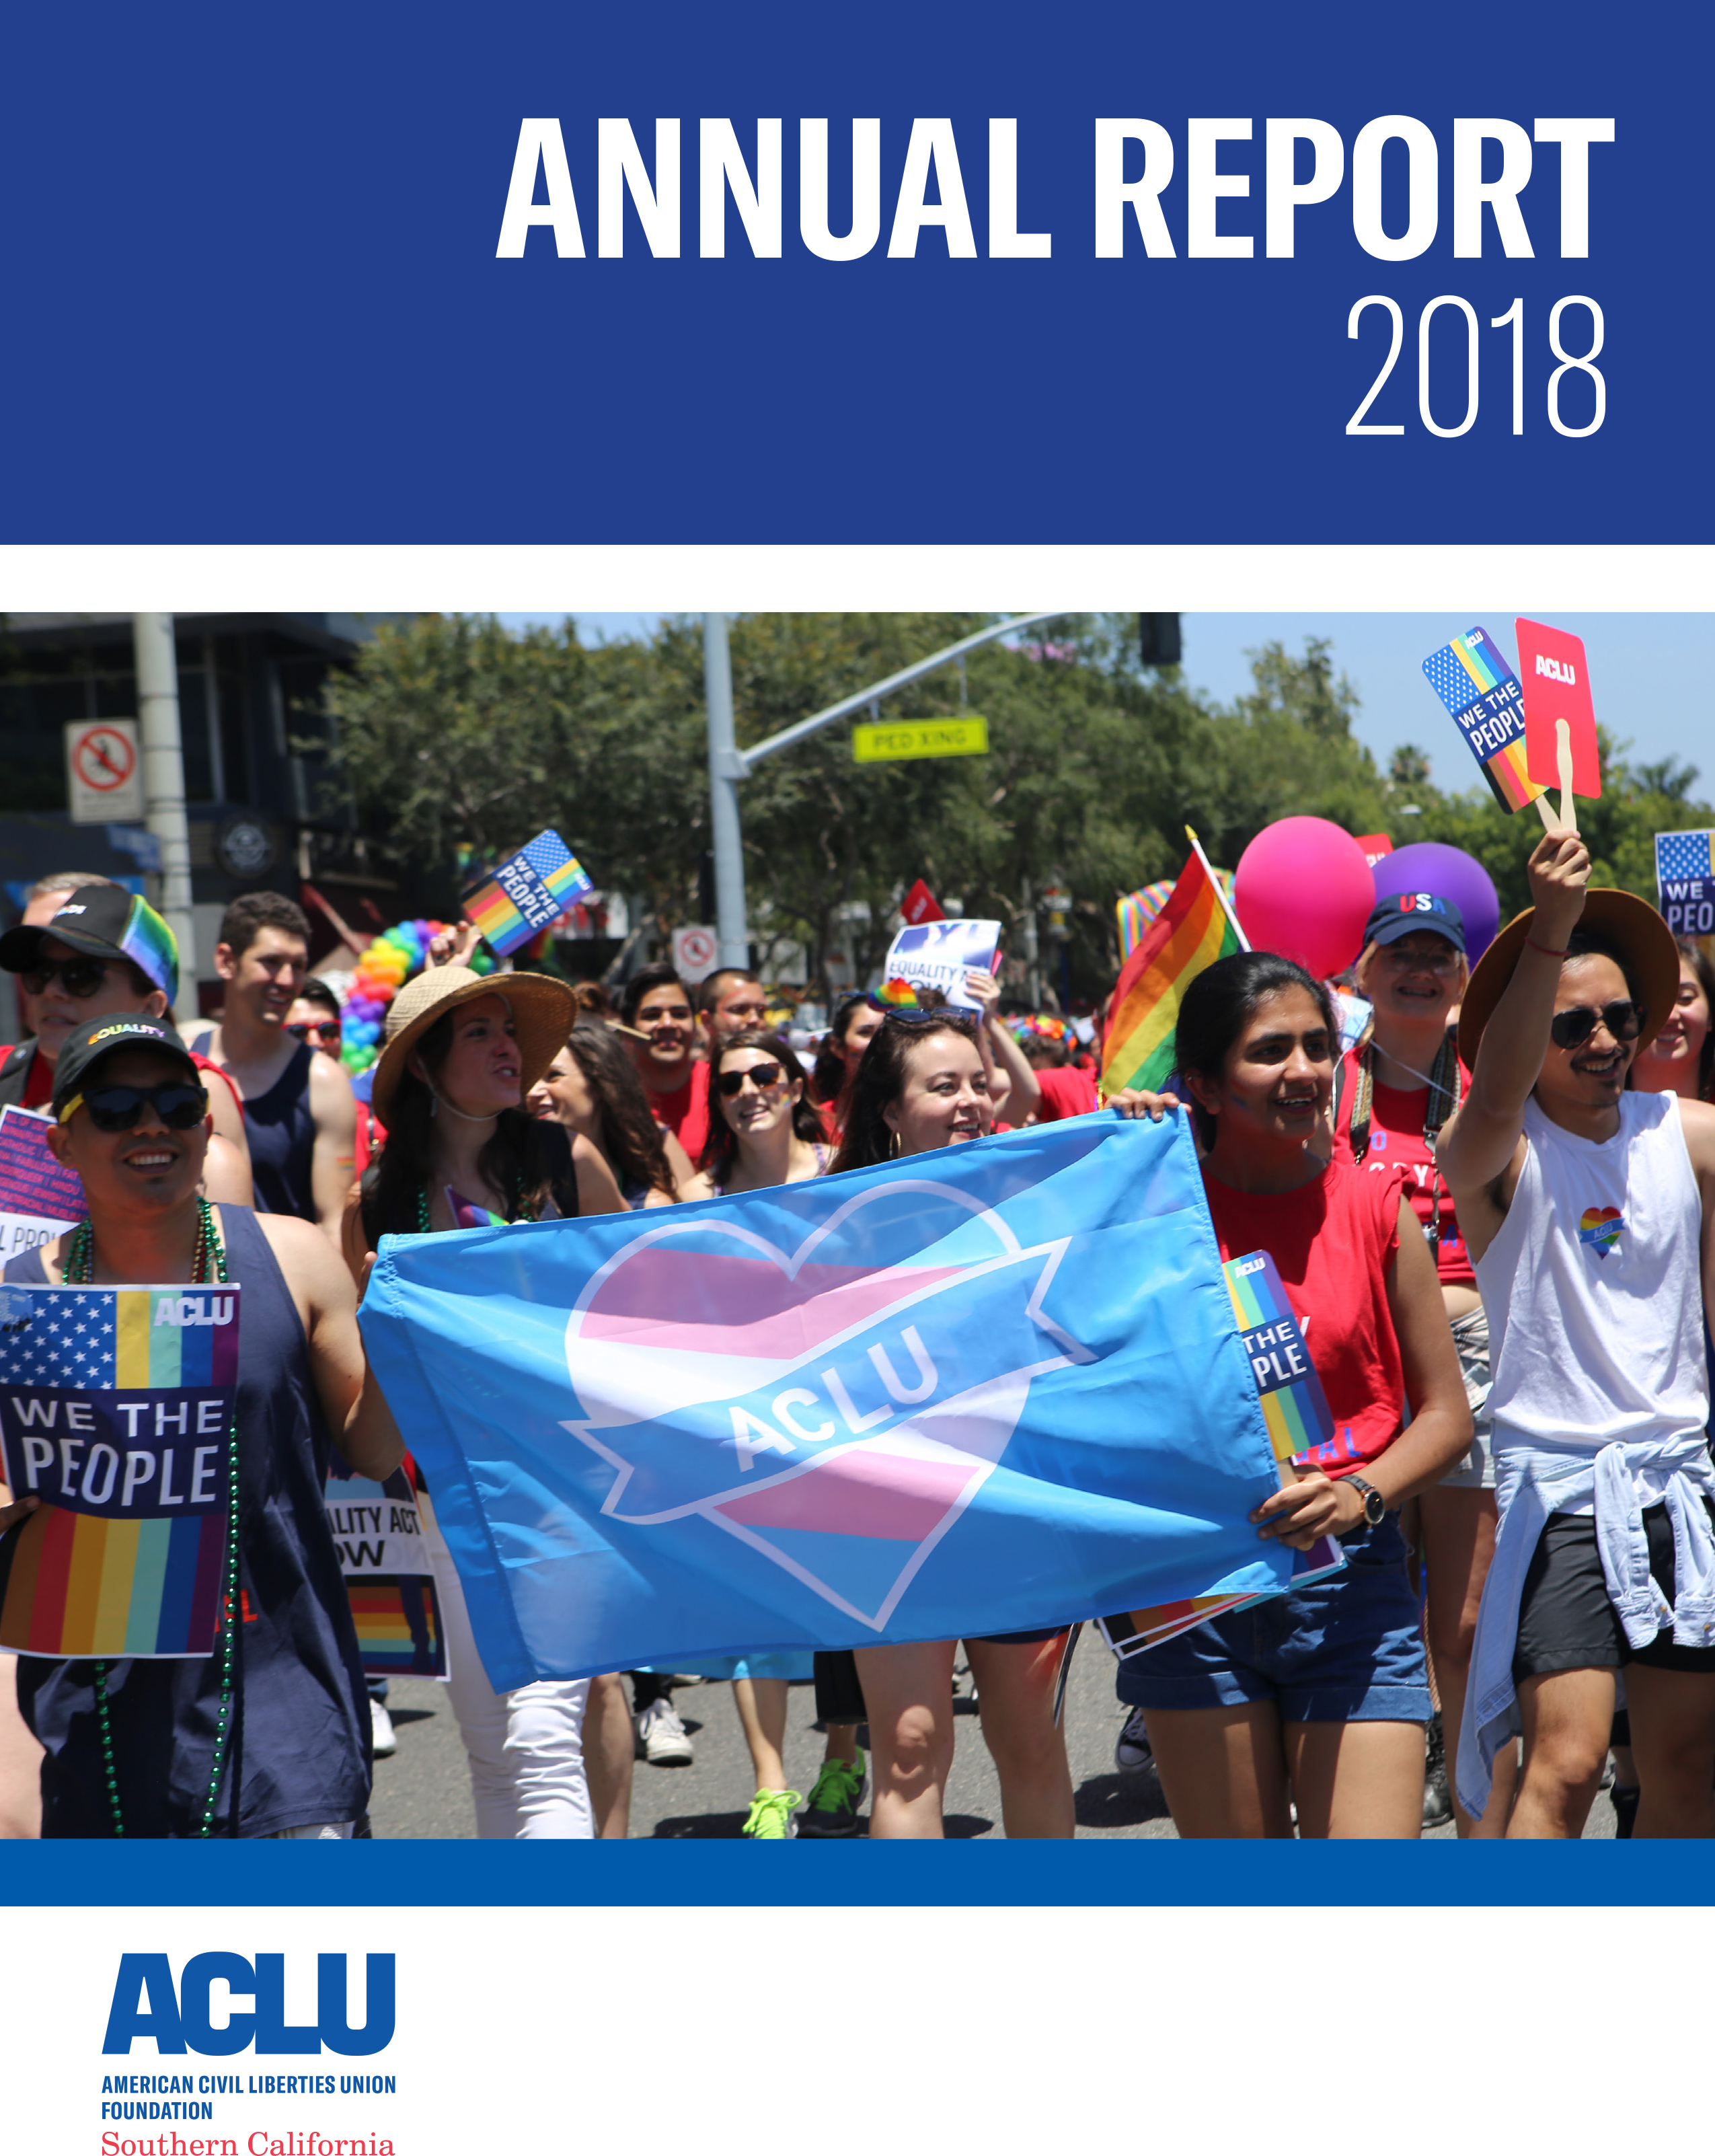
[{"x": 537, "y": 275}]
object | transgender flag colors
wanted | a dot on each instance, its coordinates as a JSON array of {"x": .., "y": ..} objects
[
  {"x": 116, "y": 1406},
  {"x": 1191, "y": 931},
  {"x": 1482, "y": 693},
  {"x": 527, "y": 893}
]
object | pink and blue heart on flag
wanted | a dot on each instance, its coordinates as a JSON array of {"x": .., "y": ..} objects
[
  {"x": 1482, "y": 693},
  {"x": 527, "y": 892},
  {"x": 994, "y": 1388},
  {"x": 115, "y": 1408}
]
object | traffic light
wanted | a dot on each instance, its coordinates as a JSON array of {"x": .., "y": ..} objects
[{"x": 1158, "y": 640}]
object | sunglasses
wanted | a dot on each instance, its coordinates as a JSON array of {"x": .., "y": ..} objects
[
  {"x": 79, "y": 977},
  {"x": 761, "y": 1076},
  {"x": 327, "y": 1028},
  {"x": 1571, "y": 1028},
  {"x": 179, "y": 1106}
]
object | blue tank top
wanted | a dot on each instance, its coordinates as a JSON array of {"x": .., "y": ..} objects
[
  {"x": 300, "y": 1743},
  {"x": 281, "y": 1134}
]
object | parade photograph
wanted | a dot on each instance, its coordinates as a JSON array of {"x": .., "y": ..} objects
[{"x": 768, "y": 1226}]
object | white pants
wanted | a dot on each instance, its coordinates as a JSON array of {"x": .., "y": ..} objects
[{"x": 526, "y": 1747}]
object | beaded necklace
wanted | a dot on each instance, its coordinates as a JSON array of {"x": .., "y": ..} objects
[{"x": 210, "y": 1259}]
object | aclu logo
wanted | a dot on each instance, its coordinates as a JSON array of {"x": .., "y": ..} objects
[
  {"x": 1558, "y": 669},
  {"x": 146, "y": 2002}
]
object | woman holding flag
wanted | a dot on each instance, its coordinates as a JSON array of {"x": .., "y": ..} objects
[
  {"x": 764, "y": 1133},
  {"x": 462, "y": 1049},
  {"x": 924, "y": 1084},
  {"x": 1316, "y": 1698},
  {"x": 1395, "y": 1090}
]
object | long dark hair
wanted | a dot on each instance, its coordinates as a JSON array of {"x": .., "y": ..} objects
[
  {"x": 1693, "y": 957},
  {"x": 830, "y": 1082},
  {"x": 1221, "y": 1002},
  {"x": 865, "y": 1138},
  {"x": 631, "y": 1137},
  {"x": 720, "y": 1147},
  {"x": 514, "y": 1161}
]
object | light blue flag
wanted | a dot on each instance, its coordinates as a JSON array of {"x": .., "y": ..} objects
[{"x": 988, "y": 1389}]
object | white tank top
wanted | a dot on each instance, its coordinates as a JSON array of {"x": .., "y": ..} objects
[{"x": 1593, "y": 1288}]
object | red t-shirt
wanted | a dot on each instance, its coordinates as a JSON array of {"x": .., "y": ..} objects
[
  {"x": 1397, "y": 1146},
  {"x": 38, "y": 1082},
  {"x": 685, "y": 1111},
  {"x": 1331, "y": 1241},
  {"x": 1066, "y": 1093}
]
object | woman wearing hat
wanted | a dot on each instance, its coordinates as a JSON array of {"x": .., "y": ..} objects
[
  {"x": 1585, "y": 1206},
  {"x": 461, "y": 1051},
  {"x": 1395, "y": 1091}
]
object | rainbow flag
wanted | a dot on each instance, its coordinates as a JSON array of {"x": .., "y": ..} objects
[
  {"x": 528, "y": 893},
  {"x": 115, "y": 1409},
  {"x": 1191, "y": 931},
  {"x": 1138, "y": 908},
  {"x": 1482, "y": 693},
  {"x": 1294, "y": 1406}
]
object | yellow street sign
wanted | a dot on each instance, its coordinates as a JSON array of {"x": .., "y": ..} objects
[{"x": 967, "y": 735}]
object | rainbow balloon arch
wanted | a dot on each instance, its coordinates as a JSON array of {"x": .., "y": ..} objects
[{"x": 382, "y": 970}]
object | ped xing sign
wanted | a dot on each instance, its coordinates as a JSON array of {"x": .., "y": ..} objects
[{"x": 881, "y": 743}]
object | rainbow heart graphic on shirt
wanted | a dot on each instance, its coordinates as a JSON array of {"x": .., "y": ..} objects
[{"x": 1601, "y": 1228}]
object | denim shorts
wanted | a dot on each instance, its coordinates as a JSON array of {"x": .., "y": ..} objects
[{"x": 1348, "y": 1648}]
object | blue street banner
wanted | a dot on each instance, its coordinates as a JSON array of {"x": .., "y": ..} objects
[
  {"x": 1444, "y": 269},
  {"x": 987, "y": 1389}
]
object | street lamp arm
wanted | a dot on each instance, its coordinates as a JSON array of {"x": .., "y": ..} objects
[{"x": 790, "y": 737}]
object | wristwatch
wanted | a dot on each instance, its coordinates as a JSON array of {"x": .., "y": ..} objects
[{"x": 1375, "y": 1509}]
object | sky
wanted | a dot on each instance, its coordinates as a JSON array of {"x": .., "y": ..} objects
[{"x": 1652, "y": 675}]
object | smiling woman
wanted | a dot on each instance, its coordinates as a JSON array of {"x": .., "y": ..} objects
[{"x": 463, "y": 1051}]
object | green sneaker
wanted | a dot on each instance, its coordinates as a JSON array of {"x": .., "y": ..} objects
[
  {"x": 771, "y": 1815},
  {"x": 832, "y": 1811}
]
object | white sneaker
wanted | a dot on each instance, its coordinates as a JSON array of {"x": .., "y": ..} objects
[
  {"x": 662, "y": 1738},
  {"x": 381, "y": 1740}
]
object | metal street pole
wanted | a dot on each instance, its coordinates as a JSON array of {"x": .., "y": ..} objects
[
  {"x": 726, "y": 768},
  {"x": 164, "y": 789},
  {"x": 729, "y": 765}
]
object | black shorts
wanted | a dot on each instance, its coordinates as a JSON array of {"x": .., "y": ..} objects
[{"x": 1566, "y": 1619}]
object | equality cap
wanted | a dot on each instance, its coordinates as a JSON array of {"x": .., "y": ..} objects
[
  {"x": 102, "y": 921},
  {"x": 90, "y": 1044},
  {"x": 1407, "y": 912},
  {"x": 1634, "y": 928}
]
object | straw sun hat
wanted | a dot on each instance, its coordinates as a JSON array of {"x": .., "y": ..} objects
[
  {"x": 1632, "y": 926},
  {"x": 543, "y": 1009}
]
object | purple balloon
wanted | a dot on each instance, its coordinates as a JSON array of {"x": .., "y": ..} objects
[{"x": 1446, "y": 872}]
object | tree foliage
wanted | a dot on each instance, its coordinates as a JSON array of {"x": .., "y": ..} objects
[{"x": 451, "y": 731}]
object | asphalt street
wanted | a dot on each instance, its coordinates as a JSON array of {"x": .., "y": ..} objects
[{"x": 424, "y": 1792}]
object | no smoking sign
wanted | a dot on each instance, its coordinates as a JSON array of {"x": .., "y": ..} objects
[{"x": 103, "y": 777}]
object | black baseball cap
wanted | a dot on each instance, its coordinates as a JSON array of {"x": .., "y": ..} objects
[
  {"x": 102, "y": 920},
  {"x": 1409, "y": 911},
  {"x": 90, "y": 1045}
]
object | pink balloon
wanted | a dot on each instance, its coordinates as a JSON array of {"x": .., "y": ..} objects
[{"x": 1303, "y": 888}]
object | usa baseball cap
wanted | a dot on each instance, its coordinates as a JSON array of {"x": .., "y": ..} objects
[
  {"x": 1407, "y": 912},
  {"x": 102, "y": 921},
  {"x": 91, "y": 1042}
]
